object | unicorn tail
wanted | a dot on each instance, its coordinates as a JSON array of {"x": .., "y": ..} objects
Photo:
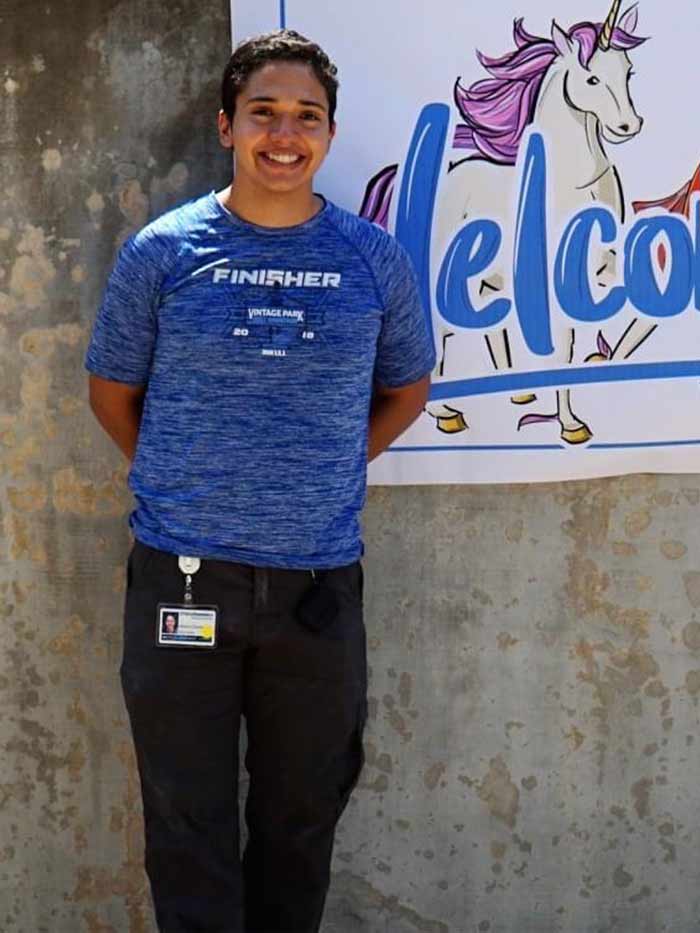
[{"x": 377, "y": 199}]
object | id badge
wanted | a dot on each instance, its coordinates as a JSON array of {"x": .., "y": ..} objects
[{"x": 186, "y": 626}]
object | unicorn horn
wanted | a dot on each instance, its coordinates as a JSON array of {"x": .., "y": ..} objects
[{"x": 608, "y": 26}]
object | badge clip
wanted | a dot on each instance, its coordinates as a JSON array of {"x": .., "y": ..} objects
[{"x": 188, "y": 566}]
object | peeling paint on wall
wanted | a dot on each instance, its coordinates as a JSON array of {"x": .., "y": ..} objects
[
  {"x": 33, "y": 271},
  {"x": 52, "y": 160}
]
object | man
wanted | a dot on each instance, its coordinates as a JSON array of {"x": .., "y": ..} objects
[{"x": 268, "y": 344}]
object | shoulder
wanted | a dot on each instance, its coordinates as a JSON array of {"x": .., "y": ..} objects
[
  {"x": 163, "y": 237},
  {"x": 371, "y": 241}
]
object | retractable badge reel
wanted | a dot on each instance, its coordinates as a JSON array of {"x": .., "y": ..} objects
[
  {"x": 189, "y": 566},
  {"x": 187, "y": 625}
]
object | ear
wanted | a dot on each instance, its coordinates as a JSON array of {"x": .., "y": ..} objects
[
  {"x": 628, "y": 21},
  {"x": 225, "y": 130},
  {"x": 562, "y": 43}
]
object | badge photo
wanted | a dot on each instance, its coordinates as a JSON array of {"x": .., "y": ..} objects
[{"x": 186, "y": 626}]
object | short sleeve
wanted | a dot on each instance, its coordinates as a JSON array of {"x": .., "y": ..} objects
[
  {"x": 405, "y": 351},
  {"x": 125, "y": 329}
]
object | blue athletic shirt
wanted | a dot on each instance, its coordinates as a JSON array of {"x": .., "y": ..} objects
[{"x": 259, "y": 348}]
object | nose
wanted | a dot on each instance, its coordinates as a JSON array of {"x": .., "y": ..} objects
[
  {"x": 282, "y": 126},
  {"x": 633, "y": 127}
]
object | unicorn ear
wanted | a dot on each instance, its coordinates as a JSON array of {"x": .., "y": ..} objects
[
  {"x": 562, "y": 43},
  {"x": 628, "y": 21}
]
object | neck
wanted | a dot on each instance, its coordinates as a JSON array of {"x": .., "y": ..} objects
[
  {"x": 572, "y": 135},
  {"x": 269, "y": 209}
]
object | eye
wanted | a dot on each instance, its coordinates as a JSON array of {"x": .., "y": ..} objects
[
  {"x": 593, "y": 80},
  {"x": 261, "y": 112},
  {"x": 310, "y": 117}
]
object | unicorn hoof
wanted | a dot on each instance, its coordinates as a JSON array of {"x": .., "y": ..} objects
[
  {"x": 523, "y": 399},
  {"x": 596, "y": 358},
  {"x": 452, "y": 424},
  {"x": 576, "y": 435}
]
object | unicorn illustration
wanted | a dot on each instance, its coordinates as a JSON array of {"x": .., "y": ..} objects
[{"x": 574, "y": 90}]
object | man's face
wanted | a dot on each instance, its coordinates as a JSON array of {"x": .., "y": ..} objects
[{"x": 280, "y": 131}]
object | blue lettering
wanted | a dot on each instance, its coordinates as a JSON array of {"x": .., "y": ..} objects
[
  {"x": 642, "y": 285},
  {"x": 476, "y": 246},
  {"x": 571, "y": 281},
  {"x": 470, "y": 253},
  {"x": 696, "y": 276},
  {"x": 414, "y": 218},
  {"x": 530, "y": 278}
]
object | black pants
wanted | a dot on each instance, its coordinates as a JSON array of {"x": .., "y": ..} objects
[{"x": 304, "y": 696}]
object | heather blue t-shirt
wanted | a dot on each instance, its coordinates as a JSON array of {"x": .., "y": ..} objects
[{"x": 259, "y": 348}]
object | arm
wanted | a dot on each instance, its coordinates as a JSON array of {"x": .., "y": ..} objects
[
  {"x": 392, "y": 411},
  {"x": 118, "y": 408}
]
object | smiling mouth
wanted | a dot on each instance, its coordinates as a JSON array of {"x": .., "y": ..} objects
[{"x": 282, "y": 158}]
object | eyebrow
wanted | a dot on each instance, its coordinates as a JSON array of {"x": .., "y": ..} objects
[{"x": 272, "y": 100}]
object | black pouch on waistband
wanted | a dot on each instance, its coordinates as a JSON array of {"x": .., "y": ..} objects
[{"x": 318, "y": 607}]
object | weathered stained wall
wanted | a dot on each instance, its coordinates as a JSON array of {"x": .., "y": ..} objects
[
  {"x": 532, "y": 756},
  {"x": 107, "y": 117},
  {"x": 533, "y": 749}
]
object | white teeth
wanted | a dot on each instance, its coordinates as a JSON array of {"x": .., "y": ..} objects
[{"x": 285, "y": 157}]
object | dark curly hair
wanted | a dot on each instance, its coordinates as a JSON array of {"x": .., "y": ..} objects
[{"x": 283, "y": 45}]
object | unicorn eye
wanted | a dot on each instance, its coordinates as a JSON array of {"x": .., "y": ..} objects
[{"x": 593, "y": 80}]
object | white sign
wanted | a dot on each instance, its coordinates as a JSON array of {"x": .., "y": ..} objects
[{"x": 540, "y": 164}]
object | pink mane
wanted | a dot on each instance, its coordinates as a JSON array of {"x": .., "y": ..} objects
[{"x": 496, "y": 110}]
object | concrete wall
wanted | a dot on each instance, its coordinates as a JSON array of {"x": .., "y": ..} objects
[
  {"x": 108, "y": 117},
  {"x": 532, "y": 757}
]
